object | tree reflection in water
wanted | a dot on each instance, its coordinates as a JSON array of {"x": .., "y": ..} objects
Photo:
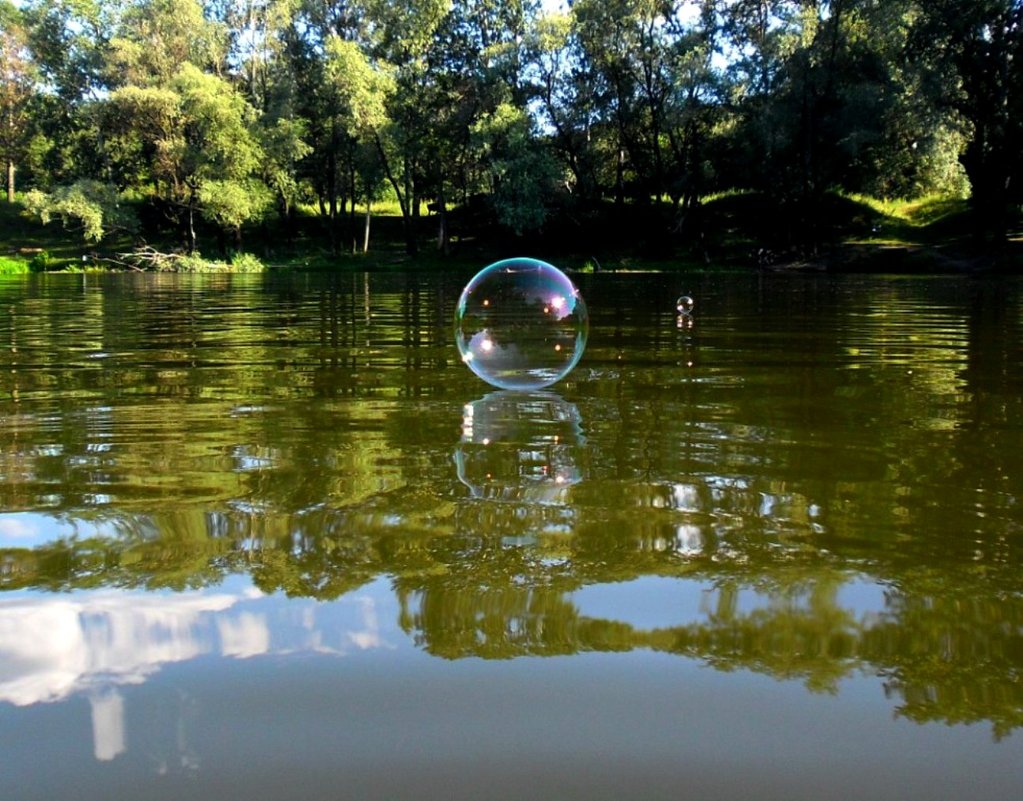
[
  {"x": 828, "y": 444},
  {"x": 495, "y": 571}
]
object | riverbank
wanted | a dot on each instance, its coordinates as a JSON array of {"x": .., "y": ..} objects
[
  {"x": 736, "y": 231},
  {"x": 909, "y": 259}
]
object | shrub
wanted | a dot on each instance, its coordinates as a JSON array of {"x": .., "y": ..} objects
[
  {"x": 247, "y": 263},
  {"x": 194, "y": 263},
  {"x": 40, "y": 262}
]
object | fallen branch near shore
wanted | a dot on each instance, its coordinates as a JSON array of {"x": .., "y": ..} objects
[{"x": 147, "y": 258}]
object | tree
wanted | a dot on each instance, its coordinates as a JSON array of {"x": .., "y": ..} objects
[
  {"x": 607, "y": 35},
  {"x": 259, "y": 34},
  {"x": 361, "y": 90},
  {"x": 520, "y": 170},
  {"x": 649, "y": 64},
  {"x": 284, "y": 146},
  {"x": 427, "y": 127},
  {"x": 69, "y": 44},
  {"x": 69, "y": 40},
  {"x": 17, "y": 89},
  {"x": 156, "y": 37},
  {"x": 194, "y": 140},
  {"x": 823, "y": 100},
  {"x": 374, "y": 86},
  {"x": 565, "y": 99},
  {"x": 972, "y": 57},
  {"x": 502, "y": 106}
]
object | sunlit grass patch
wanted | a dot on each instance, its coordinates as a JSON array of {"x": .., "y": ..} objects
[
  {"x": 917, "y": 221},
  {"x": 930, "y": 210},
  {"x": 918, "y": 212},
  {"x": 9, "y": 266},
  {"x": 725, "y": 193}
]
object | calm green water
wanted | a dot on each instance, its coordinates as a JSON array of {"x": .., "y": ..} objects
[{"x": 268, "y": 538}]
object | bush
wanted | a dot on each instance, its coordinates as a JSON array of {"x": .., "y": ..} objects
[
  {"x": 93, "y": 207},
  {"x": 40, "y": 262},
  {"x": 194, "y": 263},
  {"x": 247, "y": 263},
  {"x": 240, "y": 263}
]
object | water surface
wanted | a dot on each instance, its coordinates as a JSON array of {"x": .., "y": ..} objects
[{"x": 267, "y": 537}]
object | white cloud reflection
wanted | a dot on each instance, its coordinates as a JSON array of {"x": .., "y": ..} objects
[
  {"x": 53, "y": 646},
  {"x": 91, "y": 644},
  {"x": 244, "y": 636}
]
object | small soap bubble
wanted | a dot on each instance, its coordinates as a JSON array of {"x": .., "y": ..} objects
[
  {"x": 521, "y": 324},
  {"x": 684, "y": 304}
]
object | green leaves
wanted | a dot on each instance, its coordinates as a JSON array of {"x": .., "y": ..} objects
[
  {"x": 232, "y": 203},
  {"x": 92, "y": 206},
  {"x": 522, "y": 174},
  {"x": 451, "y": 100},
  {"x": 195, "y": 138},
  {"x": 216, "y": 128},
  {"x": 361, "y": 89},
  {"x": 17, "y": 90},
  {"x": 157, "y": 37}
]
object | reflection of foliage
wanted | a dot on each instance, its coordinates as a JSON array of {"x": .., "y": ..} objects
[
  {"x": 175, "y": 553},
  {"x": 810, "y": 638},
  {"x": 323, "y": 566},
  {"x": 955, "y": 656},
  {"x": 309, "y": 442}
]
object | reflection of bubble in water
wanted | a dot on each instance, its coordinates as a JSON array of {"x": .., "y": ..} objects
[
  {"x": 684, "y": 304},
  {"x": 520, "y": 446},
  {"x": 521, "y": 324}
]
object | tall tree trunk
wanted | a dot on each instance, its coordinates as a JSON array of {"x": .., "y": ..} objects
[
  {"x": 620, "y": 177},
  {"x": 365, "y": 228},
  {"x": 989, "y": 200},
  {"x": 442, "y": 223},
  {"x": 190, "y": 233},
  {"x": 10, "y": 180},
  {"x": 332, "y": 186},
  {"x": 332, "y": 192},
  {"x": 353, "y": 231},
  {"x": 411, "y": 246}
]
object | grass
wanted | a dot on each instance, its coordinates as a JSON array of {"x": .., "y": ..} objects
[
  {"x": 14, "y": 266},
  {"x": 728, "y": 231},
  {"x": 919, "y": 221}
]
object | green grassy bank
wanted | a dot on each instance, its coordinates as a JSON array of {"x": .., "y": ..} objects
[{"x": 736, "y": 230}]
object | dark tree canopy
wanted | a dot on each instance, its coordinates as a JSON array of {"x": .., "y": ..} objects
[{"x": 509, "y": 114}]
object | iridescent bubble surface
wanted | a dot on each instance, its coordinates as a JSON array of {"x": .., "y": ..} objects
[
  {"x": 521, "y": 324},
  {"x": 684, "y": 304}
]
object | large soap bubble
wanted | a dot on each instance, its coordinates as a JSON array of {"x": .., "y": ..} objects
[{"x": 521, "y": 324}]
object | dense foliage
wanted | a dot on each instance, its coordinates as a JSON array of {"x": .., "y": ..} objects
[{"x": 504, "y": 115}]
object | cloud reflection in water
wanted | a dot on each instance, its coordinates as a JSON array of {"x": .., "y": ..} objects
[{"x": 52, "y": 648}]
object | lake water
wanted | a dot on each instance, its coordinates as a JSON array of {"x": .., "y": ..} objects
[{"x": 266, "y": 537}]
